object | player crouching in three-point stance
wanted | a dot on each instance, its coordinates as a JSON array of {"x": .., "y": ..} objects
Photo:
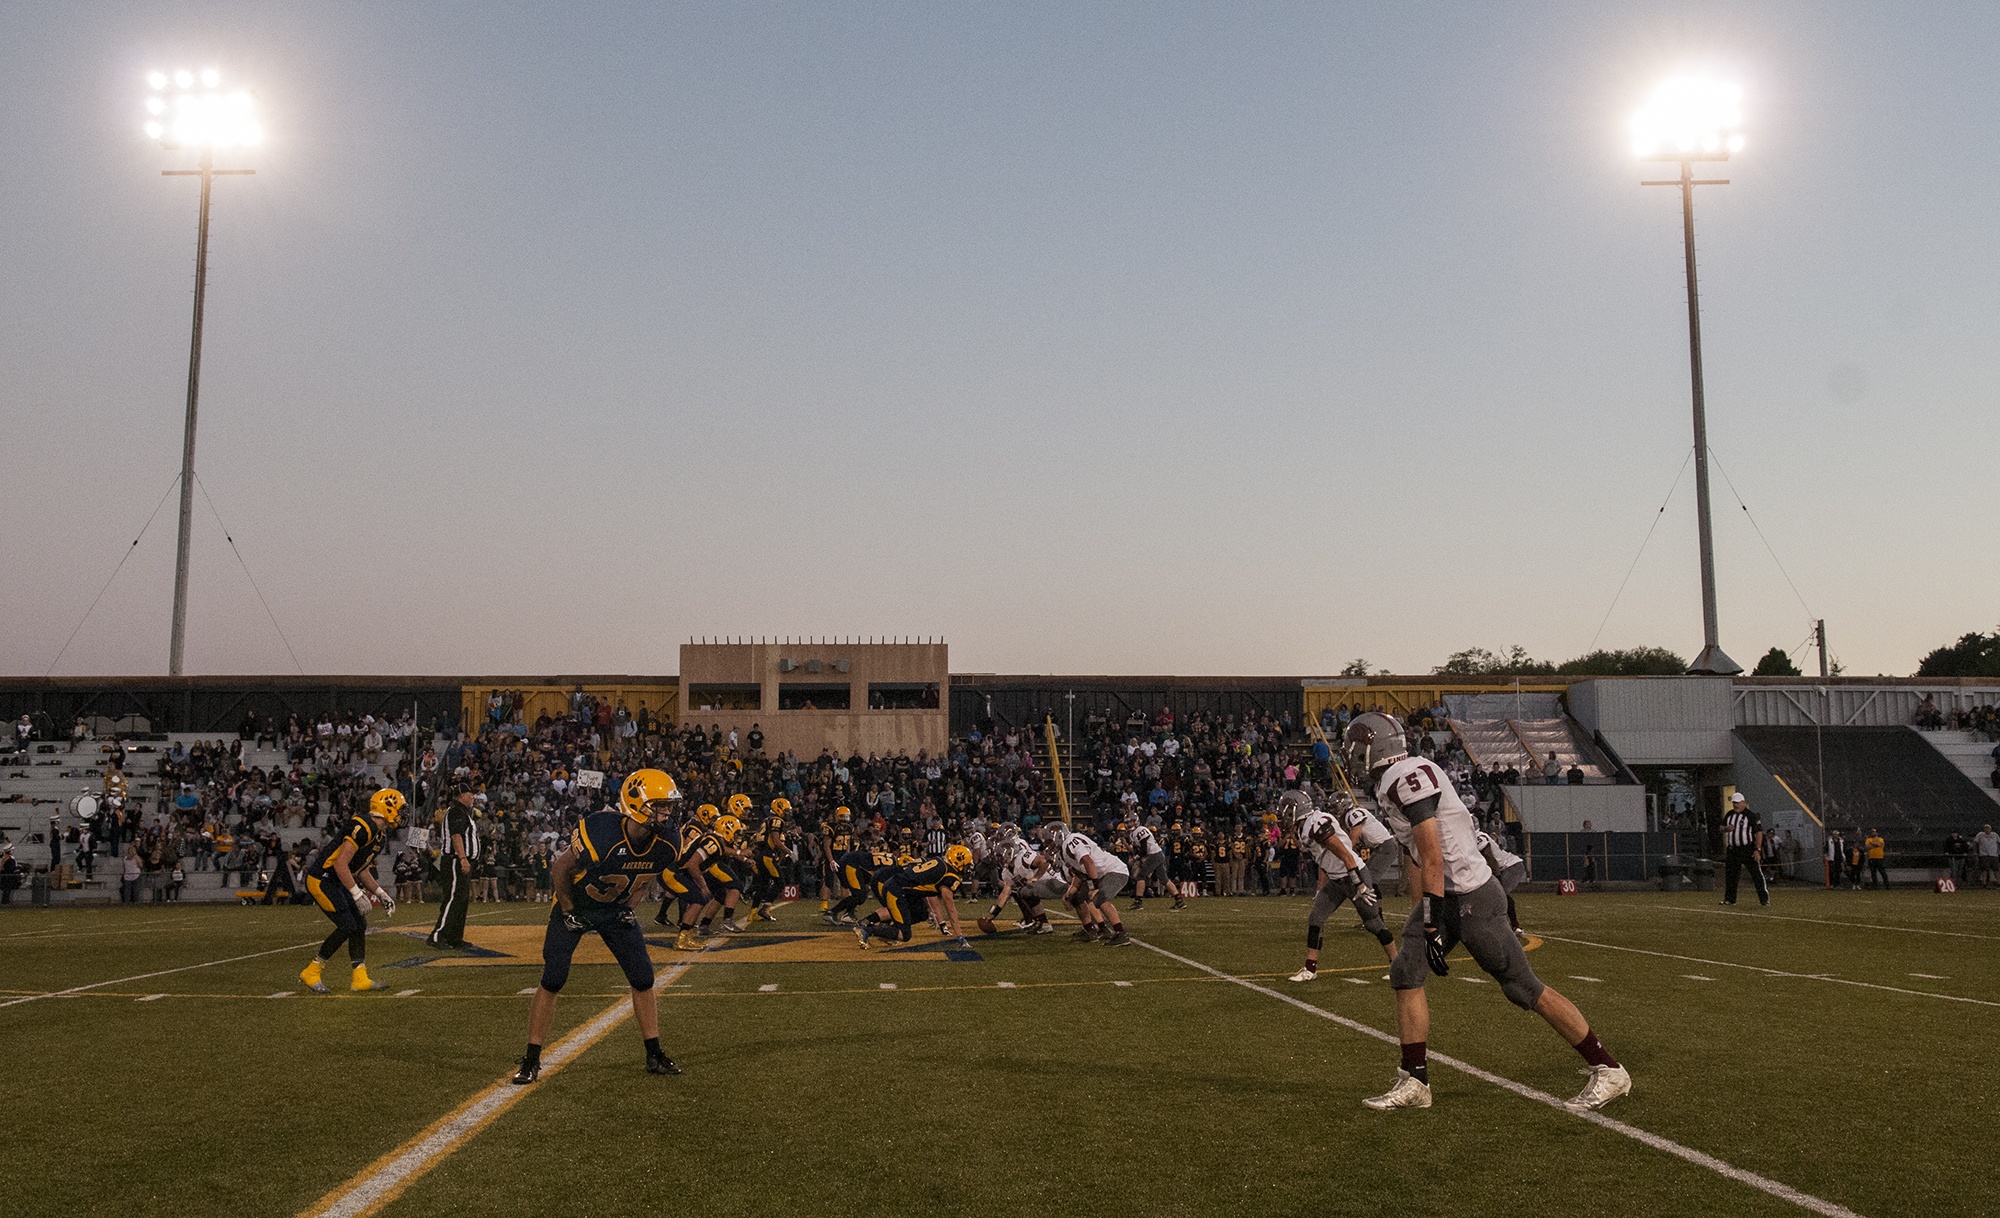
[
  {"x": 913, "y": 887},
  {"x": 1459, "y": 901},
  {"x": 1096, "y": 878},
  {"x": 610, "y": 861},
  {"x": 341, "y": 879},
  {"x": 1342, "y": 877}
]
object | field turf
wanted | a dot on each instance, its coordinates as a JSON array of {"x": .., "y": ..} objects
[{"x": 1814, "y": 1047}]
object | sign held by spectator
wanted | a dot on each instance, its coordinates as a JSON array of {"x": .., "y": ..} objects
[{"x": 593, "y": 779}]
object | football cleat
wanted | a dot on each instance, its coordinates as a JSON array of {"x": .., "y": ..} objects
[
  {"x": 1305, "y": 974},
  {"x": 1085, "y": 935},
  {"x": 1606, "y": 1083},
  {"x": 660, "y": 1063},
  {"x": 1407, "y": 1093},
  {"x": 361, "y": 979},
  {"x": 687, "y": 941},
  {"x": 764, "y": 913},
  {"x": 829, "y": 919},
  {"x": 310, "y": 974},
  {"x": 661, "y": 918},
  {"x": 731, "y": 926},
  {"x": 1024, "y": 924},
  {"x": 1180, "y": 903},
  {"x": 528, "y": 1073},
  {"x": 861, "y": 934},
  {"x": 848, "y": 919},
  {"x": 1119, "y": 939},
  {"x": 1042, "y": 928}
]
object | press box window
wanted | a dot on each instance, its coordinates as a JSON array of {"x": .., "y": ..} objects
[
  {"x": 816, "y": 696},
  {"x": 745, "y": 697},
  {"x": 902, "y": 695}
]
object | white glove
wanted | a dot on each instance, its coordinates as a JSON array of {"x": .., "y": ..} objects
[
  {"x": 387, "y": 902},
  {"x": 361, "y": 898}
]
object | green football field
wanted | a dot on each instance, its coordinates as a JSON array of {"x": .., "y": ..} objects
[{"x": 1838, "y": 1055}]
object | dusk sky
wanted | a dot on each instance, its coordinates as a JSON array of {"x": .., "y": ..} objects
[{"x": 1094, "y": 338}]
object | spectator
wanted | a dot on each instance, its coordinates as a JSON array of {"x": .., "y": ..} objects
[
  {"x": 10, "y": 875},
  {"x": 1986, "y": 845},
  {"x": 1877, "y": 859},
  {"x": 128, "y": 882}
]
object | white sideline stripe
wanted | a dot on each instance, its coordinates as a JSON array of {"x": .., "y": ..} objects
[
  {"x": 98, "y": 985},
  {"x": 386, "y": 1183},
  {"x": 1908, "y": 930},
  {"x": 1765, "y": 1184},
  {"x": 1776, "y": 972}
]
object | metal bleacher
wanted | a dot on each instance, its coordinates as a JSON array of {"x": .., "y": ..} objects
[
  {"x": 1886, "y": 778},
  {"x": 43, "y": 783}
]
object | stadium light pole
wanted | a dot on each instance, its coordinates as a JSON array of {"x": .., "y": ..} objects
[
  {"x": 1688, "y": 121},
  {"x": 187, "y": 110}
]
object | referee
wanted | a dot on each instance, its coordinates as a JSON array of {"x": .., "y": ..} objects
[
  {"x": 1743, "y": 834},
  {"x": 461, "y": 846}
]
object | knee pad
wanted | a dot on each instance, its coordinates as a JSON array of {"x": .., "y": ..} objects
[
  {"x": 1383, "y": 936},
  {"x": 1313, "y": 935},
  {"x": 1523, "y": 992},
  {"x": 554, "y": 979}
]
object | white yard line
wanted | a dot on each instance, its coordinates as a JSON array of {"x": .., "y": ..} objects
[
  {"x": 1764, "y": 1184},
  {"x": 1908, "y": 930},
  {"x": 98, "y": 985},
  {"x": 1775, "y": 972},
  {"x": 385, "y": 1179}
]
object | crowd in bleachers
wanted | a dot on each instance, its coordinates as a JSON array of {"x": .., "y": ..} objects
[{"x": 1982, "y": 721}]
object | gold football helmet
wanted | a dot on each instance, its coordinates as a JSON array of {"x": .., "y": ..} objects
[
  {"x": 705, "y": 816},
  {"x": 739, "y": 805},
  {"x": 646, "y": 794},
  {"x": 726, "y": 828},
  {"x": 958, "y": 858},
  {"x": 387, "y": 803}
]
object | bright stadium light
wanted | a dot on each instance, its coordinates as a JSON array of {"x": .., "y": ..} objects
[
  {"x": 184, "y": 117},
  {"x": 1689, "y": 114},
  {"x": 180, "y": 117},
  {"x": 1690, "y": 119}
]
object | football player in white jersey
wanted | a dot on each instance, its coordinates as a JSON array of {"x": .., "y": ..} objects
[
  {"x": 1342, "y": 877},
  {"x": 1511, "y": 870},
  {"x": 1030, "y": 879},
  {"x": 1149, "y": 862},
  {"x": 1096, "y": 878},
  {"x": 1458, "y": 901}
]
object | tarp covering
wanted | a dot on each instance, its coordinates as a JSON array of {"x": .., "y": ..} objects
[{"x": 1525, "y": 744}]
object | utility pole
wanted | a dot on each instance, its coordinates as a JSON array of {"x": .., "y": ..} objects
[
  {"x": 207, "y": 122},
  {"x": 1819, "y": 636},
  {"x": 1712, "y": 658}
]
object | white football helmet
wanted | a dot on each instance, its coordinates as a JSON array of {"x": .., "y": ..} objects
[
  {"x": 1374, "y": 741},
  {"x": 1053, "y": 832},
  {"x": 1295, "y": 806}
]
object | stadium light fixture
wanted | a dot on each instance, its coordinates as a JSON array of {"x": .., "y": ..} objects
[
  {"x": 1689, "y": 120},
  {"x": 181, "y": 116}
]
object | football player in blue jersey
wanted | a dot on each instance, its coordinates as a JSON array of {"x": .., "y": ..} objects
[
  {"x": 341, "y": 879},
  {"x": 909, "y": 889},
  {"x": 609, "y": 863}
]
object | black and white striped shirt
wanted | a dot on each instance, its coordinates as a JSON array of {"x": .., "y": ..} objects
[{"x": 1740, "y": 827}]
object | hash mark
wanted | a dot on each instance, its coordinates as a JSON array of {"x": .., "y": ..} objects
[
  {"x": 1696, "y": 977},
  {"x": 1474, "y": 980},
  {"x": 1355, "y": 980},
  {"x": 531, "y": 989},
  {"x": 281, "y": 994},
  {"x": 1581, "y": 977},
  {"x": 407, "y": 993},
  {"x": 886, "y": 985},
  {"x": 1004, "y": 985},
  {"x": 152, "y": 998},
  {"x": 771, "y": 988},
  {"x": 1126, "y": 984},
  {"x": 1930, "y": 976}
]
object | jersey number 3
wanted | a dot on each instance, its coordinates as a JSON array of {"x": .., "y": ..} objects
[{"x": 607, "y": 890}]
